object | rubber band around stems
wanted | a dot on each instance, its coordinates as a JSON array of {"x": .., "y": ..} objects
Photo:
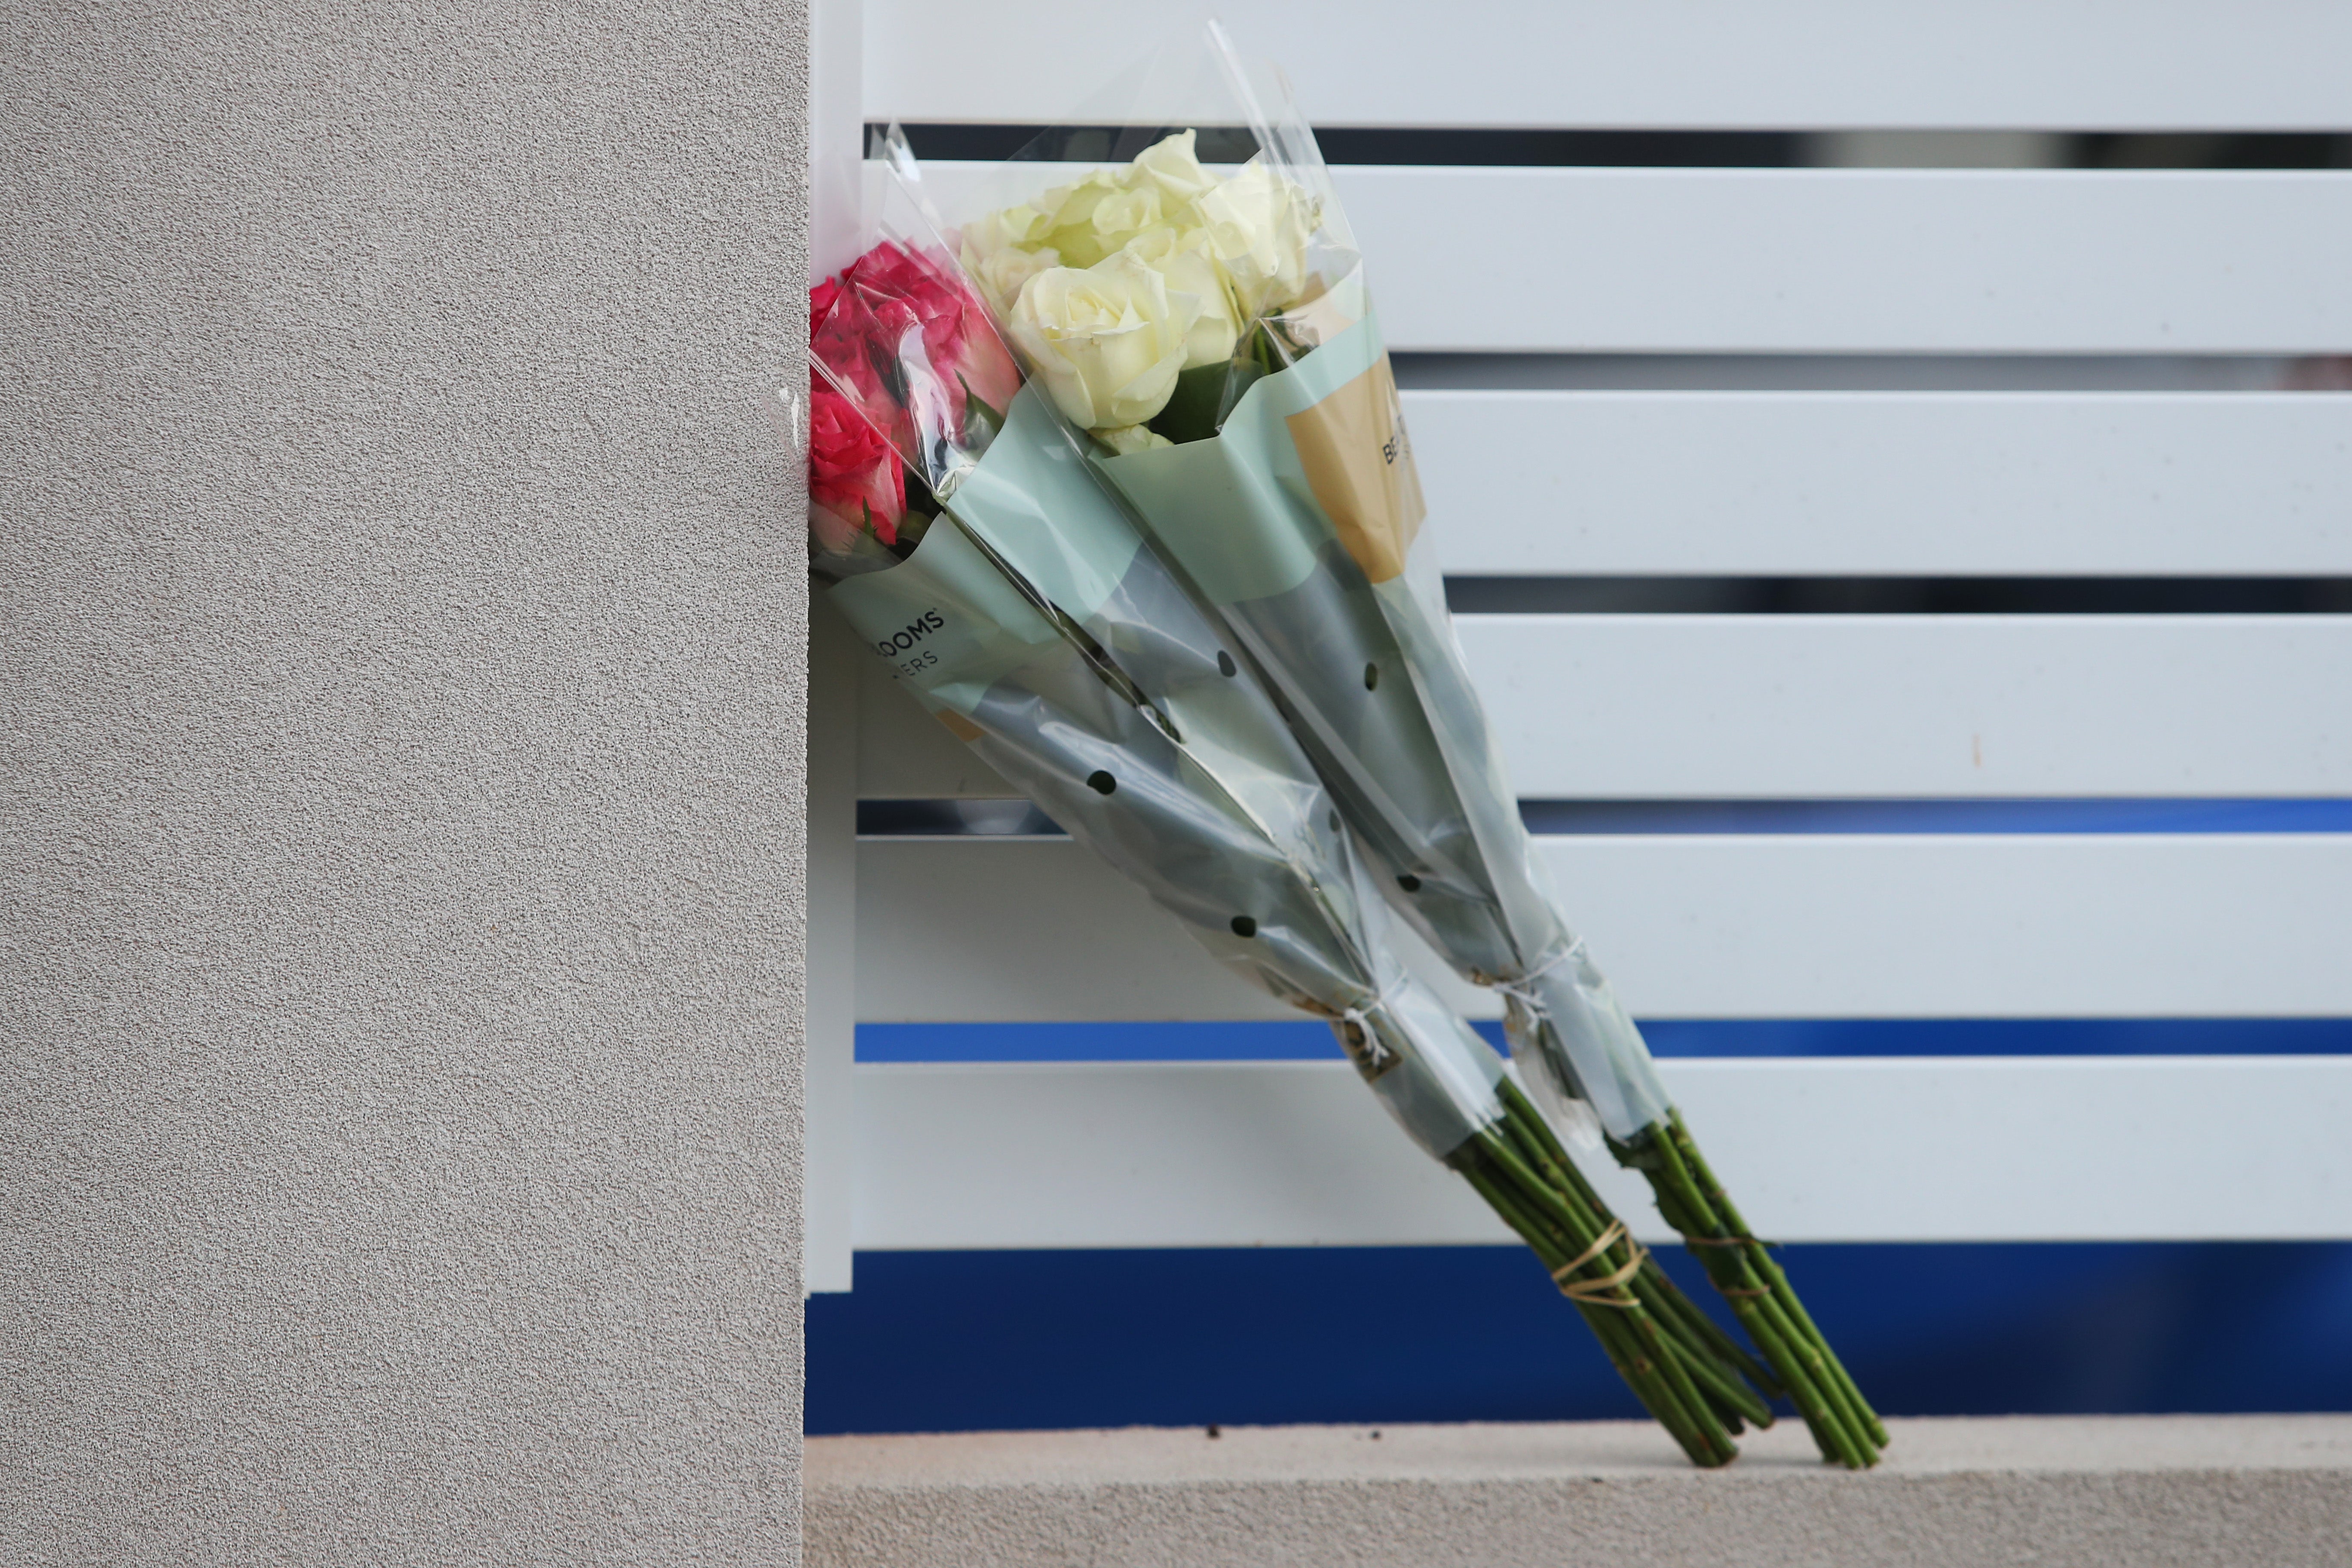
[{"x": 1599, "y": 1292}]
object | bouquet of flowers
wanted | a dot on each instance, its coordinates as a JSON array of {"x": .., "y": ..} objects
[
  {"x": 1209, "y": 332},
  {"x": 961, "y": 529}
]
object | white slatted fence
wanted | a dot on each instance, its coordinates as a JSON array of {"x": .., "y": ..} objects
[{"x": 1532, "y": 483}]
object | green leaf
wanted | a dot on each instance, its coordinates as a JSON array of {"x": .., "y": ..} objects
[
  {"x": 993, "y": 417},
  {"x": 1197, "y": 407}
]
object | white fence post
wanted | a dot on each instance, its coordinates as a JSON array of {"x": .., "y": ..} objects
[{"x": 837, "y": 133}]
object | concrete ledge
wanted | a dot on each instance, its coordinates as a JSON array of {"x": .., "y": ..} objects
[{"x": 2122, "y": 1493}]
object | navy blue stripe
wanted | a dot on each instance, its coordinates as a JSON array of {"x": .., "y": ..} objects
[
  {"x": 1309, "y": 1041},
  {"x": 982, "y": 1341}
]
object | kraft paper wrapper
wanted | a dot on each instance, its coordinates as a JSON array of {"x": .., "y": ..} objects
[{"x": 1360, "y": 465}]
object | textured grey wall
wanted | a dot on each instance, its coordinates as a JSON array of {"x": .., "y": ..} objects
[{"x": 404, "y": 631}]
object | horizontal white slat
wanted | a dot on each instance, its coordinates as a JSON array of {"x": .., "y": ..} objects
[
  {"x": 2039, "y": 926},
  {"x": 1841, "y": 261},
  {"x": 1822, "y": 707},
  {"x": 1960, "y": 484},
  {"x": 2101, "y": 65},
  {"x": 904, "y": 754},
  {"x": 1810, "y": 707},
  {"x": 1858, "y": 261},
  {"x": 1849, "y": 484},
  {"x": 1300, "y": 1154}
]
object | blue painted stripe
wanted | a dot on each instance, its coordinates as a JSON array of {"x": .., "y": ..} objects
[
  {"x": 1234, "y": 1042},
  {"x": 996, "y": 1341},
  {"x": 1309, "y": 1041},
  {"x": 1938, "y": 817}
]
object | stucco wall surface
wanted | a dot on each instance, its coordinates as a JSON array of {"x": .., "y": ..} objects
[{"x": 400, "y": 736}]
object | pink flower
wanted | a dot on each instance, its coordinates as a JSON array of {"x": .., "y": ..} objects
[
  {"x": 822, "y": 299},
  {"x": 842, "y": 337},
  {"x": 856, "y": 480},
  {"x": 906, "y": 289},
  {"x": 948, "y": 315},
  {"x": 899, "y": 348}
]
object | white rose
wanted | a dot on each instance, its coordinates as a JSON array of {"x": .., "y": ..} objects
[
  {"x": 1001, "y": 251},
  {"x": 1107, "y": 341},
  {"x": 1128, "y": 438},
  {"x": 1014, "y": 228},
  {"x": 1171, "y": 166},
  {"x": 1184, "y": 259},
  {"x": 1121, "y": 216},
  {"x": 1001, "y": 274},
  {"x": 1258, "y": 226},
  {"x": 1069, "y": 219}
]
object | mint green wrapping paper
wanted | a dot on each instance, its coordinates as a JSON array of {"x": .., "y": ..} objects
[
  {"x": 1345, "y": 615},
  {"x": 1036, "y": 622}
]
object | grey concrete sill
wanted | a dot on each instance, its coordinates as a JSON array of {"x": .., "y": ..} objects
[{"x": 2130, "y": 1492}]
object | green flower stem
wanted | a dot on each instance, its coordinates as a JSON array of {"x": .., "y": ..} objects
[
  {"x": 1749, "y": 1307},
  {"x": 1647, "y": 1385},
  {"x": 1573, "y": 1203},
  {"x": 1730, "y": 1396},
  {"x": 1565, "y": 1233},
  {"x": 1836, "y": 1431},
  {"x": 1778, "y": 1279},
  {"x": 1822, "y": 1364},
  {"x": 1746, "y": 1297},
  {"x": 1686, "y": 1368},
  {"x": 1527, "y": 1121},
  {"x": 1535, "y": 1141},
  {"x": 1662, "y": 1352},
  {"x": 1734, "y": 1402},
  {"x": 1656, "y": 1337},
  {"x": 1785, "y": 1296},
  {"x": 1697, "y": 1325},
  {"x": 1846, "y": 1442},
  {"x": 1585, "y": 1226}
]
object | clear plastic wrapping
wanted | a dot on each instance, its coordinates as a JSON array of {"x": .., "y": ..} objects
[
  {"x": 1016, "y": 600},
  {"x": 1178, "y": 277},
  {"x": 1200, "y": 312}
]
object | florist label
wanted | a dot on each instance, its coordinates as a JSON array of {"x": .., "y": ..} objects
[{"x": 946, "y": 618}]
